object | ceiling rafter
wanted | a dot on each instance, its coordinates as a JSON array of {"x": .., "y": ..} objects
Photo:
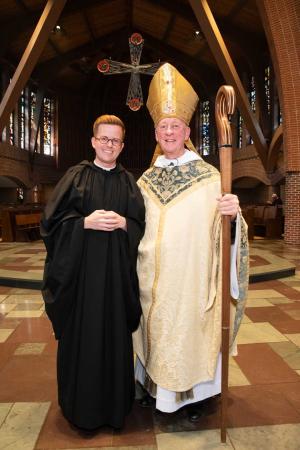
[
  {"x": 236, "y": 9},
  {"x": 18, "y": 25},
  {"x": 129, "y": 13},
  {"x": 169, "y": 27},
  {"x": 236, "y": 35},
  {"x": 31, "y": 54},
  {"x": 88, "y": 25},
  {"x": 50, "y": 68},
  {"x": 206, "y": 76},
  {"x": 218, "y": 48}
]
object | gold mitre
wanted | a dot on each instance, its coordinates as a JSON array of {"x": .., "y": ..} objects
[{"x": 171, "y": 95}]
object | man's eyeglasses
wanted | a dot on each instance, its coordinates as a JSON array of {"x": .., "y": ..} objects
[{"x": 115, "y": 142}]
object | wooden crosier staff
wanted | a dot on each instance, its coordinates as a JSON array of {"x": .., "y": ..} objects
[{"x": 225, "y": 106}]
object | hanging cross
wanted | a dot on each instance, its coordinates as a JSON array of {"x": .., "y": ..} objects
[{"x": 110, "y": 67}]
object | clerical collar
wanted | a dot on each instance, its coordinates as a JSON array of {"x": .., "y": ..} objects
[
  {"x": 188, "y": 156},
  {"x": 105, "y": 168}
]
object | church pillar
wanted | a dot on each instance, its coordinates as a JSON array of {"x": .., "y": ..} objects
[
  {"x": 292, "y": 208},
  {"x": 281, "y": 24}
]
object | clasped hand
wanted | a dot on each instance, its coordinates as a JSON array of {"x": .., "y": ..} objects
[
  {"x": 228, "y": 205},
  {"x": 104, "y": 221}
]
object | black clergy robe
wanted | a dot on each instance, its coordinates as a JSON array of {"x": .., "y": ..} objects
[{"x": 91, "y": 293}]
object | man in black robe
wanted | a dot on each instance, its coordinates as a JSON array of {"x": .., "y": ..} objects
[{"x": 91, "y": 227}]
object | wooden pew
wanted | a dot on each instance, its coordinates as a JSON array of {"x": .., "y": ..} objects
[
  {"x": 28, "y": 224},
  {"x": 268, "y": 221}
]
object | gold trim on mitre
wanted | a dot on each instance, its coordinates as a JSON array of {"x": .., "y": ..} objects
[{"x": 171, "y": 95}]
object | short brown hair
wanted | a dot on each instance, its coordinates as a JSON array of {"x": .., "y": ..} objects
[{"x": 108, "y": 119}]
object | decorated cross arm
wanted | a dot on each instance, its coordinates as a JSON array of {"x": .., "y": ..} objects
[{"x": 111, "y": 67}]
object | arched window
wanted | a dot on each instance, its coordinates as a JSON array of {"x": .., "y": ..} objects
[{"x": 204, "y": 127}]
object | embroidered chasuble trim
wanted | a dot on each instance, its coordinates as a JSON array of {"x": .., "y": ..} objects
[
  {"x": 243, "y": 278},
  {"x": 167, "y": 183},
  {"x": 155, "y": 282}
]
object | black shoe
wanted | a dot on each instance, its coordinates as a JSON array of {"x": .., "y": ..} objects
[
  {"x": 194, "y": 415},
  {"x": 146, "y": 401}
]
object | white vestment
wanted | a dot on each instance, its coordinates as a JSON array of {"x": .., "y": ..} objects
[{"x": 178, "y": 340}]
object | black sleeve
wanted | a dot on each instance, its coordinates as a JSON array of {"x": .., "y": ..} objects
[
  {"x": 135, "y": 219},
  {"x": 63, "y": 233}
]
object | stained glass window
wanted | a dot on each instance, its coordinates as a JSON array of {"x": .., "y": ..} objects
[
  {"x": 22, "y": 120},
  {"x": 47, "y": 126},
  {"x": 204, "y": 121},
  {"x": 267, "y": 88},
  {"x": 252, "y": 94},
  {"x": 11, "y": 129},
  {"x": 252, "y": 99},
  {"x": 33, "y": 125},
  {"x": 32, "y": 108},
  {"x": 240, "y": 130}
]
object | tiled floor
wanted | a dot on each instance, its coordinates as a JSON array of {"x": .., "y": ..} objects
[{"x": 264, "y": 402}]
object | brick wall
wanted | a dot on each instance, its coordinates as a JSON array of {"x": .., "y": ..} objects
[
  {"x": 14, "y": 163},
  {"x": 292, "y": 208},
  {"x": 281, "y": 19}
]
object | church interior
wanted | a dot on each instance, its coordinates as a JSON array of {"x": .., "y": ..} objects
[{"x": 63, "y": 64}]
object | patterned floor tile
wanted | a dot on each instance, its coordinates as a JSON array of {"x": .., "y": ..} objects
[
  {"x": 268, "y": 359},
  {"x": 277, "y": 317},
  {"x": 289, "y": 352},
  {"x": 24, "y": 298},
  {"x": 32, "y": 330},
  {"x": 246, "y": 319},
  {"x": 4, "y": 411},
  {"x": 27, "y": 307},
  {"x": 58, "y": 434},
  {"x": 34, "y": 379},
  {"x": 28, "y": 348},
  {"x": 22, "y": 425},
  {"x": 6, "y": 308},
  {"x": 4, "y": 334},
  {"x": 293, "y": 313},
  {"x": 25, "y": 314},
  {"x": 261, "y": 365},
  {"x": 275, "y": 437},
  {"x": 280, "y": 301},
  {"x": 261, "y": 405},
  {"x": 258, "y": 302},
  {"x": 294, "y": 338},
  {"x": 8, "y": 323},
  {"x": 251, "y": 333},
  {"x": 193, "y": 440},
  {"x": 236, "y": 376},
  {"x": 138, "y": 429},
  {"x": 264, "y": 293}
]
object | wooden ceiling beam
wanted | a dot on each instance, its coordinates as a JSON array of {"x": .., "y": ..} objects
[
  {"x": 12, "y": 28},
  {"x": 225, "y": 63},
  {"x": 30, "y": 57},
  {"x": 236, "y": 9},
  {"x": 88, "y": 25},
  {"x": 169, "y": 27},
  {"x": 46, "y": 71},
  {"x": 206, "y": 76},
  {"x": 129, "y": 13}
]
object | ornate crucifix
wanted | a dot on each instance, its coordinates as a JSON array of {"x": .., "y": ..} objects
[{"x": 110, "y": 67}]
